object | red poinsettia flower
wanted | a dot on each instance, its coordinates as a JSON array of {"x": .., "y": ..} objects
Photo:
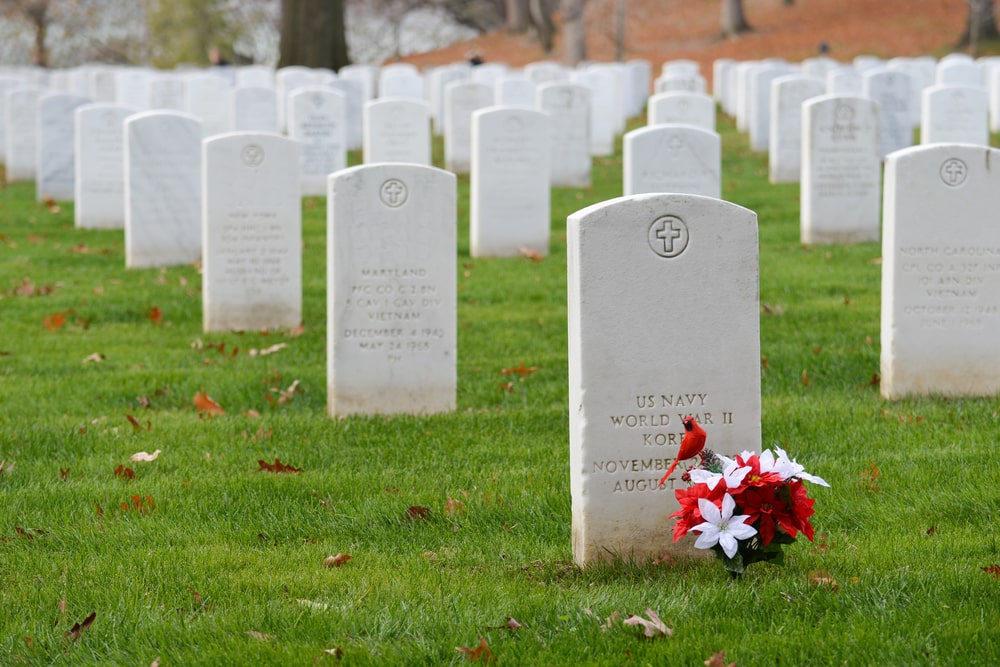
[
  {"x": 766, "y": 511},
  {"x": 755, "y": 477},
  {"x": 689, "y": 515},
  {"x": 801, "y": 506}
]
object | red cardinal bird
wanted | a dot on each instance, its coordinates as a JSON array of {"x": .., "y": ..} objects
[{"x": 691, "y": 445}]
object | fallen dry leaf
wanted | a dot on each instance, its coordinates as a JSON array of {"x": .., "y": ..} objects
[
  {"x": 531, "y": 254},
  {"x": 205, "y": 405},
  {"x": 5, "y": 467},
  {"x": 654, "y": 627},
  {"x": 78, "y": 629},
  {"x": 719, "y": 660},
  {"x": 123, "y": 472},
  {"x": 156, "y": 662},
  {"x": 96, "y": 358},
  {"x": 992, "y": 569},
  {"x": 805, "y": 378},
  {"x": 145, "y": 456},
  {"x": 260, "y": 635},
  {"x": 53, "y": 321},
  {"x": 155, "y": 315},
  {"x": 336, "y": 652},
  {"x": 336, "y": 561},
  {"x": 520, "y": 369},
  {"x": 277, "y": 347},
  {"x": 277, "y": 466},
  {"x": 821, "y": 578},
  {"x": 480, "y": 653},
  {"x": 417, "y": 512},
  {"x": 511, "y": 624},
  {"x": 138, "y": 426},
  {"x": 452, "y": 506}
]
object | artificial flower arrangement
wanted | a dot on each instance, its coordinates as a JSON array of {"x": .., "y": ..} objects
[{"x": 746, "y": 507}]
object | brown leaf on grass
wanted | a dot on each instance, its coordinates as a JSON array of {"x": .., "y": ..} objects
[
  {"x": 764, "y": 363},
  {"x": 776, "y": 310},
  {"x": 64, "y": 474},
  {"x": 155, "y": 315},
  {"x": 295, "y": 332},
  {"x": 869, "y": 478},
  {"x": 51, "y": 204},
  {"x": 260, "y": 635},
  {"x": 336, "y": 652},
  {"x": 531, "y": 253},
  {"x": 507, "y": 387},
  {"x": 277, "y": 466},
  {"x": 805, "y": 378},
  {"x": 123, "y": 472},
  {"x": 96, "y": 358},
  {"x": 822, "y": 578},
  {"x": 277, "y": 347},
  {"x": 137, "y": 426},
  {"x": 197, "y": 597},
  {"x": 29, "y": 642},
  {"x": 511, "y": 624},
  {"x": 54, "y": 321},
  {"x": 205, "y": 405},
  {"x": 520, "y": 369},
  {"x": 452, "y": 506},
  {"x": 284, "y": 395},
  {"x": 5, "y": 467},
  {"x": 145, "y": 456},
  {"x": 479, "y": 653},
  {"x": 608, "y": 623},
  {"x": 156, "y": 662},
  {"x": 78, "y": 629},
  {"x": 665, "y": 558},
  {"x": 992, "y": 569},
  {"x": 336, "y": 561},
  {"x": 652, "y": 628},
  {"x": 100, "y": 510},
  {"x": 417, "y": 513},
  {"x": 719, "y": 660},
  {"x": 930, "y": 531},
  {"x": 139, "y": 504}
]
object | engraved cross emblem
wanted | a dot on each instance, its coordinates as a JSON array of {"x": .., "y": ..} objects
[
  {"x": 393, "y": 193},
  {"x": 668, "y": 236},
  {"x": 953, "y": 172}
]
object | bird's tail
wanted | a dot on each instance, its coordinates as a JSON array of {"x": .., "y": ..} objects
[{"x": 669, "y": 470}]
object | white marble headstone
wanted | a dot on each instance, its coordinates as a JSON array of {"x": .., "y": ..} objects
[
  {"x": 682, "y": 107},
  {"x": 22, "y": 133},
  {"x": 316, "y": 119},
  {"x": 254, "y": 109},
  {"x": 664, "y": 317},
  {"x": 7, "y": 84},
  {"x": 391, "y": 290},
  {"x": 784, "y": 154},
  {"x": 252, "y": 227},
  {"x": 841, "y": 170},
  {"x": 397, "y": 130},
  {"x": 955, "y": 114},
  {"x": 100, "y": 166},
  {"x": 162, "y": 189},
  {"x": 515, "y": 91},
  {"x": 167, "y": 92},
  {"x": 672, "y": 158},
  {"x": 209, "y": 97},
  {"x": 461, "y": 98},
  {"x": 892, "y": 92},
  {"x": 569, "y": 106},
  {"x": 509, "y": 199},
  {"x": 941, "y": 272},
  {"x": 56, "y": 176},
  {"x": 354, "y": 100}
]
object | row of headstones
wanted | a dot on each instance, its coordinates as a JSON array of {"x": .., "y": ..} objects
[
  {"x": 392, "y": 309},
  {"x": 683, "y": 272},
  {"x": 954, "y": 101}
]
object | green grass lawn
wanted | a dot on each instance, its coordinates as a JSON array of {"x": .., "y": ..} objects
[{"x": 202, "y": 558}]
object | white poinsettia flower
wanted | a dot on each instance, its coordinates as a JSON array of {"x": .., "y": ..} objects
[
  {"x": 700, "y": 476},
  {"x": 734, "y": 473},
  {"x": 721, "y": 527},
  {"x": 789, "y": 468}
]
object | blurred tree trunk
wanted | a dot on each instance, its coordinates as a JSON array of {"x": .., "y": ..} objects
[
  {"x": 619, "y": 30},
  {"x": 574, "y": 32},
  {"x": 733, "y": 21},
  {"x": 313, "y": 34},
  {"x": 541, "y": 18},
  {"x": 36, "y": 12},
  {"x": 980, "y": 25},
  {"x": 517, "y": 15}
]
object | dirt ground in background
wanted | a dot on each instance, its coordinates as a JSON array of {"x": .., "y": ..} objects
[{"x": 661, "y": 30}]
